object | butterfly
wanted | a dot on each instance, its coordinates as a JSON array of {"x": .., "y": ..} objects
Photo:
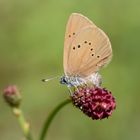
[{"x": 86, "y": 50}]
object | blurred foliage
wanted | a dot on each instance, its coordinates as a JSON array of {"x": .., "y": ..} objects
[{"x": 31, "y": 48}]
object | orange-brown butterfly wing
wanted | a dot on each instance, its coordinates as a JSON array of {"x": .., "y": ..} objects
[
  {"x": 89, "y": 51},
  {"x": 75, "y": 23},
  {"x": 87, "y": 48}
]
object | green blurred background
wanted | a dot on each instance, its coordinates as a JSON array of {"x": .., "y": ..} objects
[{"x": 31, "y": 48}]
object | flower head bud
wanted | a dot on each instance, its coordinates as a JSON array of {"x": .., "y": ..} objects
[
  {"x": 95, "y": 102},
  {"x": 12, "y": 96}
]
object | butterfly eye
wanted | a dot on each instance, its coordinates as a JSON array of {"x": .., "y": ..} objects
[
  {"x": 92, "y": 54},
  {"x": 89, "y": 43},
  {"x": 91, "y": 49},
  {"x": 73, "y": 48},
  {"x": 98, "y": 56}
]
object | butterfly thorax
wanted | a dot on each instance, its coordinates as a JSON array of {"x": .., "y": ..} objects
[{"x": 74, "y": 81}]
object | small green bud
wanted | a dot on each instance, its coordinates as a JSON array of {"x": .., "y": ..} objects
[{"x": 12, "y": 96}]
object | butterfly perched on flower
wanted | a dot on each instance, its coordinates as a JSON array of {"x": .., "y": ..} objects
[{"x": 86, "y": 50}]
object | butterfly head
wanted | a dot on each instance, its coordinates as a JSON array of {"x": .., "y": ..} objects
[{"x": 64, "y": 80}]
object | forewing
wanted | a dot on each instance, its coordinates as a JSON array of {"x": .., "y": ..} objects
[{"x": 75, "y": 23}]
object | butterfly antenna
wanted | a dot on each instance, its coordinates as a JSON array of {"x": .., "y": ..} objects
[{"x": 49, "y": 79}]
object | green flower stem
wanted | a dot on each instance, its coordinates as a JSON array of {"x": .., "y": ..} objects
[
  {"x": 23, "y": 123},
  {"x": 51, "y": 117}
]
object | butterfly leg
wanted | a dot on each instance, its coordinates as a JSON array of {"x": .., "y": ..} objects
[
  {"x": 85, "y": 83},
  {"x": 76, "y": 88},
  {"x": 70, "y": 91}
]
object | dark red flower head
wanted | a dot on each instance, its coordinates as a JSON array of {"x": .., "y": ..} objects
[{"x": 95, "y": 102}]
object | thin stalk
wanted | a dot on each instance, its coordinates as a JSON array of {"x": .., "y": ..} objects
[
  {"x": 51, "y": 117},
  {"x": 23, "y": 123}
]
